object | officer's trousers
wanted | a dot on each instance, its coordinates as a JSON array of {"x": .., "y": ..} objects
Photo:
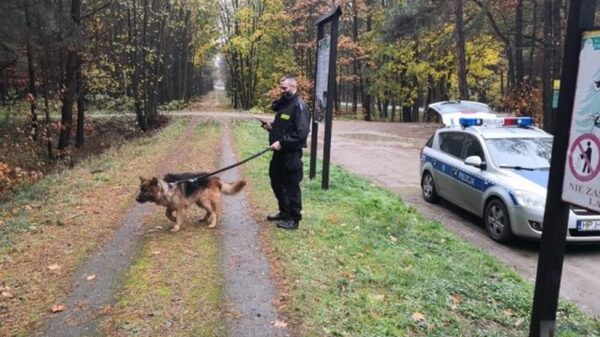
[{"x": 285, "y": 183}]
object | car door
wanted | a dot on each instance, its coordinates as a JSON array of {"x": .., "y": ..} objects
[
  {"x": 470, "y": 179},
  {"x": 451, "y": 145}
]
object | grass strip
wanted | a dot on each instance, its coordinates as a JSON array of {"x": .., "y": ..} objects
[
  {"x": 49, "y": 228},
  {"x": 365, "y": 264},
  {"x": 174, "y": 288}
]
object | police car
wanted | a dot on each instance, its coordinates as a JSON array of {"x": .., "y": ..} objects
[{"x": 496, "y": 168}]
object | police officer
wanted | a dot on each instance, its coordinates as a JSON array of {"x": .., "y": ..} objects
[{"x": 287, "y": 136}]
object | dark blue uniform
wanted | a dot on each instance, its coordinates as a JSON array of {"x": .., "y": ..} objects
[{"x": 290, "y": 128}]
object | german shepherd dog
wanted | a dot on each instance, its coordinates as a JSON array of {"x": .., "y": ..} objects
[{"x": 179, "y": 191}]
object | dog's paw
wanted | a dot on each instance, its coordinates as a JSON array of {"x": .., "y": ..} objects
[{"x": 174, "y": 229}]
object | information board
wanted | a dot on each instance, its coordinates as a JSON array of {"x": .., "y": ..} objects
[
  {"x": 322, "y": 78},
  {"x": 581, "y": 184}
]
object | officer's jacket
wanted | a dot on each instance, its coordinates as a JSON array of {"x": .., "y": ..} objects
[{"x": 291, "y": 124}]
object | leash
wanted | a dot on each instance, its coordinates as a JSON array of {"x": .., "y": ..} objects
[{"x": 228, "y": 167}]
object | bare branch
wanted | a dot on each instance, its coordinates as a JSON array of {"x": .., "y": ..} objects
[{"x": 95, "y": 11}]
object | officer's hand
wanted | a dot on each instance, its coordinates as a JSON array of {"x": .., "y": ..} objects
[
  {"x": 267, "y": 126},
  {"x": 276, "y": 146}
]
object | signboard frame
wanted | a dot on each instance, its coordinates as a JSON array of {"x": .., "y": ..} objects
[{"x": 332, "y": 19}]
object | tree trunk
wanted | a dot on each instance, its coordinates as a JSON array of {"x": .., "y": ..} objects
[
  {"x": 519, "y": 67},
  {"x": 31, "y": 70},
  {"x": 355, "y": 63},
  {"x": 531, "y": 65},
  {"x": 134, "y": 40},
  {"x": 508, "y": 46},
  {"x": 406, "y": 113},
  {"x": 366, "y": 96},
  {"x": 144, "y": 72},
  {"x": 557, "y": 47},
  {"x": 45, "y": 60},
  {"x": 463, "y": 88},
  {"x": 70, "y": 80},
  {"x": 155, "y": 75},
  {"x": 547, "y": 64},
  {"x": 416, "y": 105},
  {"x": 80, "y": 104}
]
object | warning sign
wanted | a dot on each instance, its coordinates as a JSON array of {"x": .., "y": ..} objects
[
  {"x": 583, "y": 157},
  {"x": 582, "y": 179}
]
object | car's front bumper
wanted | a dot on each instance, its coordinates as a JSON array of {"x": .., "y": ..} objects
[{"x": 523, "y": 222}]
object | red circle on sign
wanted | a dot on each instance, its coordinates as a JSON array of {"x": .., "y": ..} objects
[{"x": 593, "y": 173}]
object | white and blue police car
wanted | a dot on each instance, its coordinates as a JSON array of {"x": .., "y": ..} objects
[{"x": 496, "y": 168}]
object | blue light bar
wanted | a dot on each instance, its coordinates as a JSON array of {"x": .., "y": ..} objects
[
  {"x": 525, "y": 121},
  {"x": 470, "y": 121}
]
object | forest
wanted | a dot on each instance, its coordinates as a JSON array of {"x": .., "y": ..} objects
[
  {"x": 62, "y": 58},
  {"x": 395, "y": 57}
]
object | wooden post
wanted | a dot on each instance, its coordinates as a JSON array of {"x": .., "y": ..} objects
[{"x": 552, "y": 247}]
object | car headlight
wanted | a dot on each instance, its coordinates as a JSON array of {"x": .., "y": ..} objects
[{"x": 531, "y": 200}]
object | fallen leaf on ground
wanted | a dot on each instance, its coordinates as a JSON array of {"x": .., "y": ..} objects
[
  {"x": 393, "y": 238},
  {"x": 456, "y": 300},
  {"x": 417, "y": 316},
  {"x": 6, "y": 294},
  {"x": 90, "y": 277},
  {"x": 105, "y": 310},
  {"x": 279, "y": 324},
  {"x": 57, "y": 308},
  {"x": 155, "y": 252},
  {"x": 54, "y": 266}
]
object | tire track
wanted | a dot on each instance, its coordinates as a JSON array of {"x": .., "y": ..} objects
[{"x": 249, "y": 291}]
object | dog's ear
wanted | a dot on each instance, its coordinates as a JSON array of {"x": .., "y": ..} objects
[
  {"x": 142, "y": 179},
  {"x": 154, "y": 181}
]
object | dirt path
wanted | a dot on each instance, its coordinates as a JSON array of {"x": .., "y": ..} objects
[
  {"x": 107, "y": 266},
  {"x": 249, "y": 291},
  {"x": 90, "y": 298}
]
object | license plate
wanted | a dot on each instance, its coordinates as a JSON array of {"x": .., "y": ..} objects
[{"x": 588, "y": 225}]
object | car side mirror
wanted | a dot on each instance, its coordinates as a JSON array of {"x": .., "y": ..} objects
[{"x": 475, "y": 161}]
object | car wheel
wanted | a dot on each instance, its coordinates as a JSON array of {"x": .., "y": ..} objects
[
  {"x": 497, "y": 221},
  {"x": 428, "y": 187}
]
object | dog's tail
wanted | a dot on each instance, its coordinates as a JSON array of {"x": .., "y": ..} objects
[{"x": 232, "y": 188}]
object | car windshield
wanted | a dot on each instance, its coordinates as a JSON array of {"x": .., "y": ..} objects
[{"x": 521, "y": 153}]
